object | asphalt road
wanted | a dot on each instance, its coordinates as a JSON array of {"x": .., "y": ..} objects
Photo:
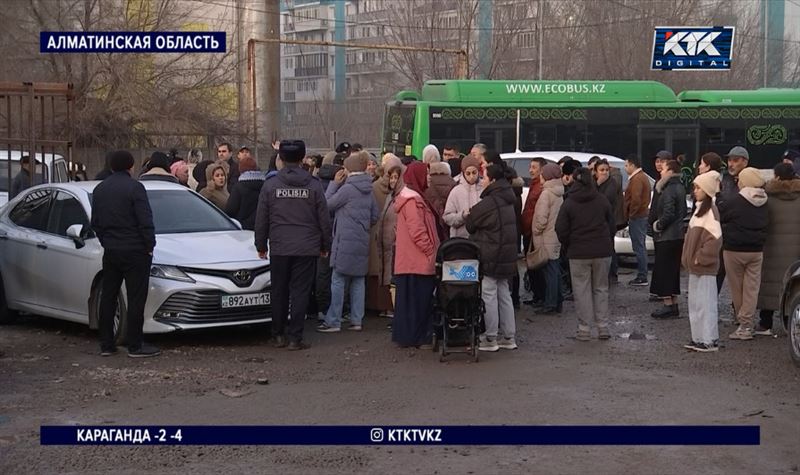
[{"x": 50, "y": 374}]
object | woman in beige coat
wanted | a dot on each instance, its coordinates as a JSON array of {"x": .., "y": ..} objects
[
  {"x": 544, "y": 235},
  {"x": 384, "y": 238},
  {"x": 379, "y": 298}
]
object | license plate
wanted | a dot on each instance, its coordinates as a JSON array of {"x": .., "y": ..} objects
[{"x": 245, "y": 300}]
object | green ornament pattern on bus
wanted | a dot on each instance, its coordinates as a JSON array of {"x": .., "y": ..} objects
[
  {"x": 733, "y": 113},
  {"x": 501, "y": 113},
  {"x": 775, "y": 134}
]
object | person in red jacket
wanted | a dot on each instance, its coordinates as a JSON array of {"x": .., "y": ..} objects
[{"x": 414, "y": 264}]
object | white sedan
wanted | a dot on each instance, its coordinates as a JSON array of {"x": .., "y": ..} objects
[
  {"x": 205, "y": 273},
  {"x": 521, "y": 161}
]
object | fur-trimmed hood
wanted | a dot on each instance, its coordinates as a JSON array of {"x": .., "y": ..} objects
[{"x": 788, "y": 190}]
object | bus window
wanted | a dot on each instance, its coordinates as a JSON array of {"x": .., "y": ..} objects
[
  {"x": 461, "y": 133},
  {"x": 398, "y": 127}
]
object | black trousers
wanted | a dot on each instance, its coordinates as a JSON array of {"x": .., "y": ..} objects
[
  {"x": 322, "y": 288},
  {"x": 292, "y": 277},
  {"x": 134, "y": 268}
]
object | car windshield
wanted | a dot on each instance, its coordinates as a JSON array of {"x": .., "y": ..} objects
[{"x": 181, "y": 211}]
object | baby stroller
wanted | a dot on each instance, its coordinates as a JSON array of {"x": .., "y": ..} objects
[{"x": 458, "y": 312}]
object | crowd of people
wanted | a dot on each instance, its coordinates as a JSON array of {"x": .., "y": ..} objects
[{"x": 350, "y": 234}]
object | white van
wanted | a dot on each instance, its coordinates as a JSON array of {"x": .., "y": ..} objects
[
  {"x": 55, "y": 169},
  {"x": 520, "y": 161}
]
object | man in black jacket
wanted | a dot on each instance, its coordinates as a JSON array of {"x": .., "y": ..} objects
[
  {"x": 293, "y": 217},
  {"x": 123, "y": 222},
  {"x": 585, "y": 227}
]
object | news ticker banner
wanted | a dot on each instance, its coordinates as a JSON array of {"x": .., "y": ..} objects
[
  {"x": 400, "y": 435},
  {"x": 131, "y": 42}
]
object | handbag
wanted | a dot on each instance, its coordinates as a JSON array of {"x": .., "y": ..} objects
[{"x": 536, "y": 258}]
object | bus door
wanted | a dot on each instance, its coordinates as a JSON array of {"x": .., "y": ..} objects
[
  {"x": 677, "y": 140},
  {"x": 500, "y": 138}
]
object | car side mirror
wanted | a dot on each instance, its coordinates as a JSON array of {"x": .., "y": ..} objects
[
  {"x": 76, "y": 233},
  {"x": 237, "y": 223}
]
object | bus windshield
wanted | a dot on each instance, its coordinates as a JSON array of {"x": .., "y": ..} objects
[{"x": 398, "y": 128}]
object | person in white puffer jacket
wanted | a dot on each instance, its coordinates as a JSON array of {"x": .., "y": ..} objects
[{"x": 463, "y": 197}]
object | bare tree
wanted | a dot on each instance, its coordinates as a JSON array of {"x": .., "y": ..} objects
[{"x": 120, "y": 97}]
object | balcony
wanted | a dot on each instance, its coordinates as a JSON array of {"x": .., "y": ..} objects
[{"x": 312, "y": 24}]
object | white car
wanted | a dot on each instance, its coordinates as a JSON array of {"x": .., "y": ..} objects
[
  {"x": 520, "y": 162},
  {"x": 205, "y": 273}
]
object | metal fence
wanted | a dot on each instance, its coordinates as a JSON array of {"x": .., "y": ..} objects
[{"x": 35, "y": 121}]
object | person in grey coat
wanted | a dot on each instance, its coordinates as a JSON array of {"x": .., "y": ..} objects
[{"x": 350, "y": 197}]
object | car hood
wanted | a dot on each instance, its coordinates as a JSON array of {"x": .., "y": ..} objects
[{"x": 206, "y": 249}]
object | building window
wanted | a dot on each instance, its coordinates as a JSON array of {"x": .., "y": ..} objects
[{"x": 525, "y": 40}]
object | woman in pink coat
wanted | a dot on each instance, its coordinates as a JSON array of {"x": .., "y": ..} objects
[{"x": 414, "y": 268}]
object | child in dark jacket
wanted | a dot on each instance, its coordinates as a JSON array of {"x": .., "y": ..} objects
[{"x": 700, "y": 257}]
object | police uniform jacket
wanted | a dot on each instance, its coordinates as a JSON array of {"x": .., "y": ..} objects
[{"x": 292, "y": 215}]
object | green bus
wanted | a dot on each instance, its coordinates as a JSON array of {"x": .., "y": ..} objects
[{"x": 612, "y": 117}]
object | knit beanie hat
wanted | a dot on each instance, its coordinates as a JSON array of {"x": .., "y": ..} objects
[
  {"x": 551, "y": 171},
  {"x": 247, "y": 164},
  {"x": 439, "y": 168},
  {"x": 708, "y": 182},
  {"x": 470, "y": 161},
  {"x": 357, "y": 162},
  {"x": 750, "y": 177}
]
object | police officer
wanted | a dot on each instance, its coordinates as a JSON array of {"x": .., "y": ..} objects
[{"x": 293, "y": 216}]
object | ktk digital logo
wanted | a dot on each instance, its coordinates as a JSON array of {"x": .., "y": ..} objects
[{"x": 690, "y": 48}]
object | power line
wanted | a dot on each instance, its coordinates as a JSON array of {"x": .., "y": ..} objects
[{"x": 441, "y": 28}]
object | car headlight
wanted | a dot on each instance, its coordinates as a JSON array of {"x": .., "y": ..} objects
[{"x": 169, "y": 272}]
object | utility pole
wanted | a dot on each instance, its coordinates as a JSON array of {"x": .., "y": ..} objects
[
  {"x": 271, "y": 101},
  {"x": 339, "y": 77},
  {"x": 772, "y": 26},
  {"x": 485, "y": 34},
  {"x": 540, "y": 21},
  {"x": 240, "y": 48}
]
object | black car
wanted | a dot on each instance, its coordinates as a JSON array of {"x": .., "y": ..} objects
[{"x": 790, "y": 309}]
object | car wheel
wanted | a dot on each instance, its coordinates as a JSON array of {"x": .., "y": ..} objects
[
  {"x": 120, "y": 316},
  {"x": 794, "y": 329},
  {"x": 6, "y": 314}
]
